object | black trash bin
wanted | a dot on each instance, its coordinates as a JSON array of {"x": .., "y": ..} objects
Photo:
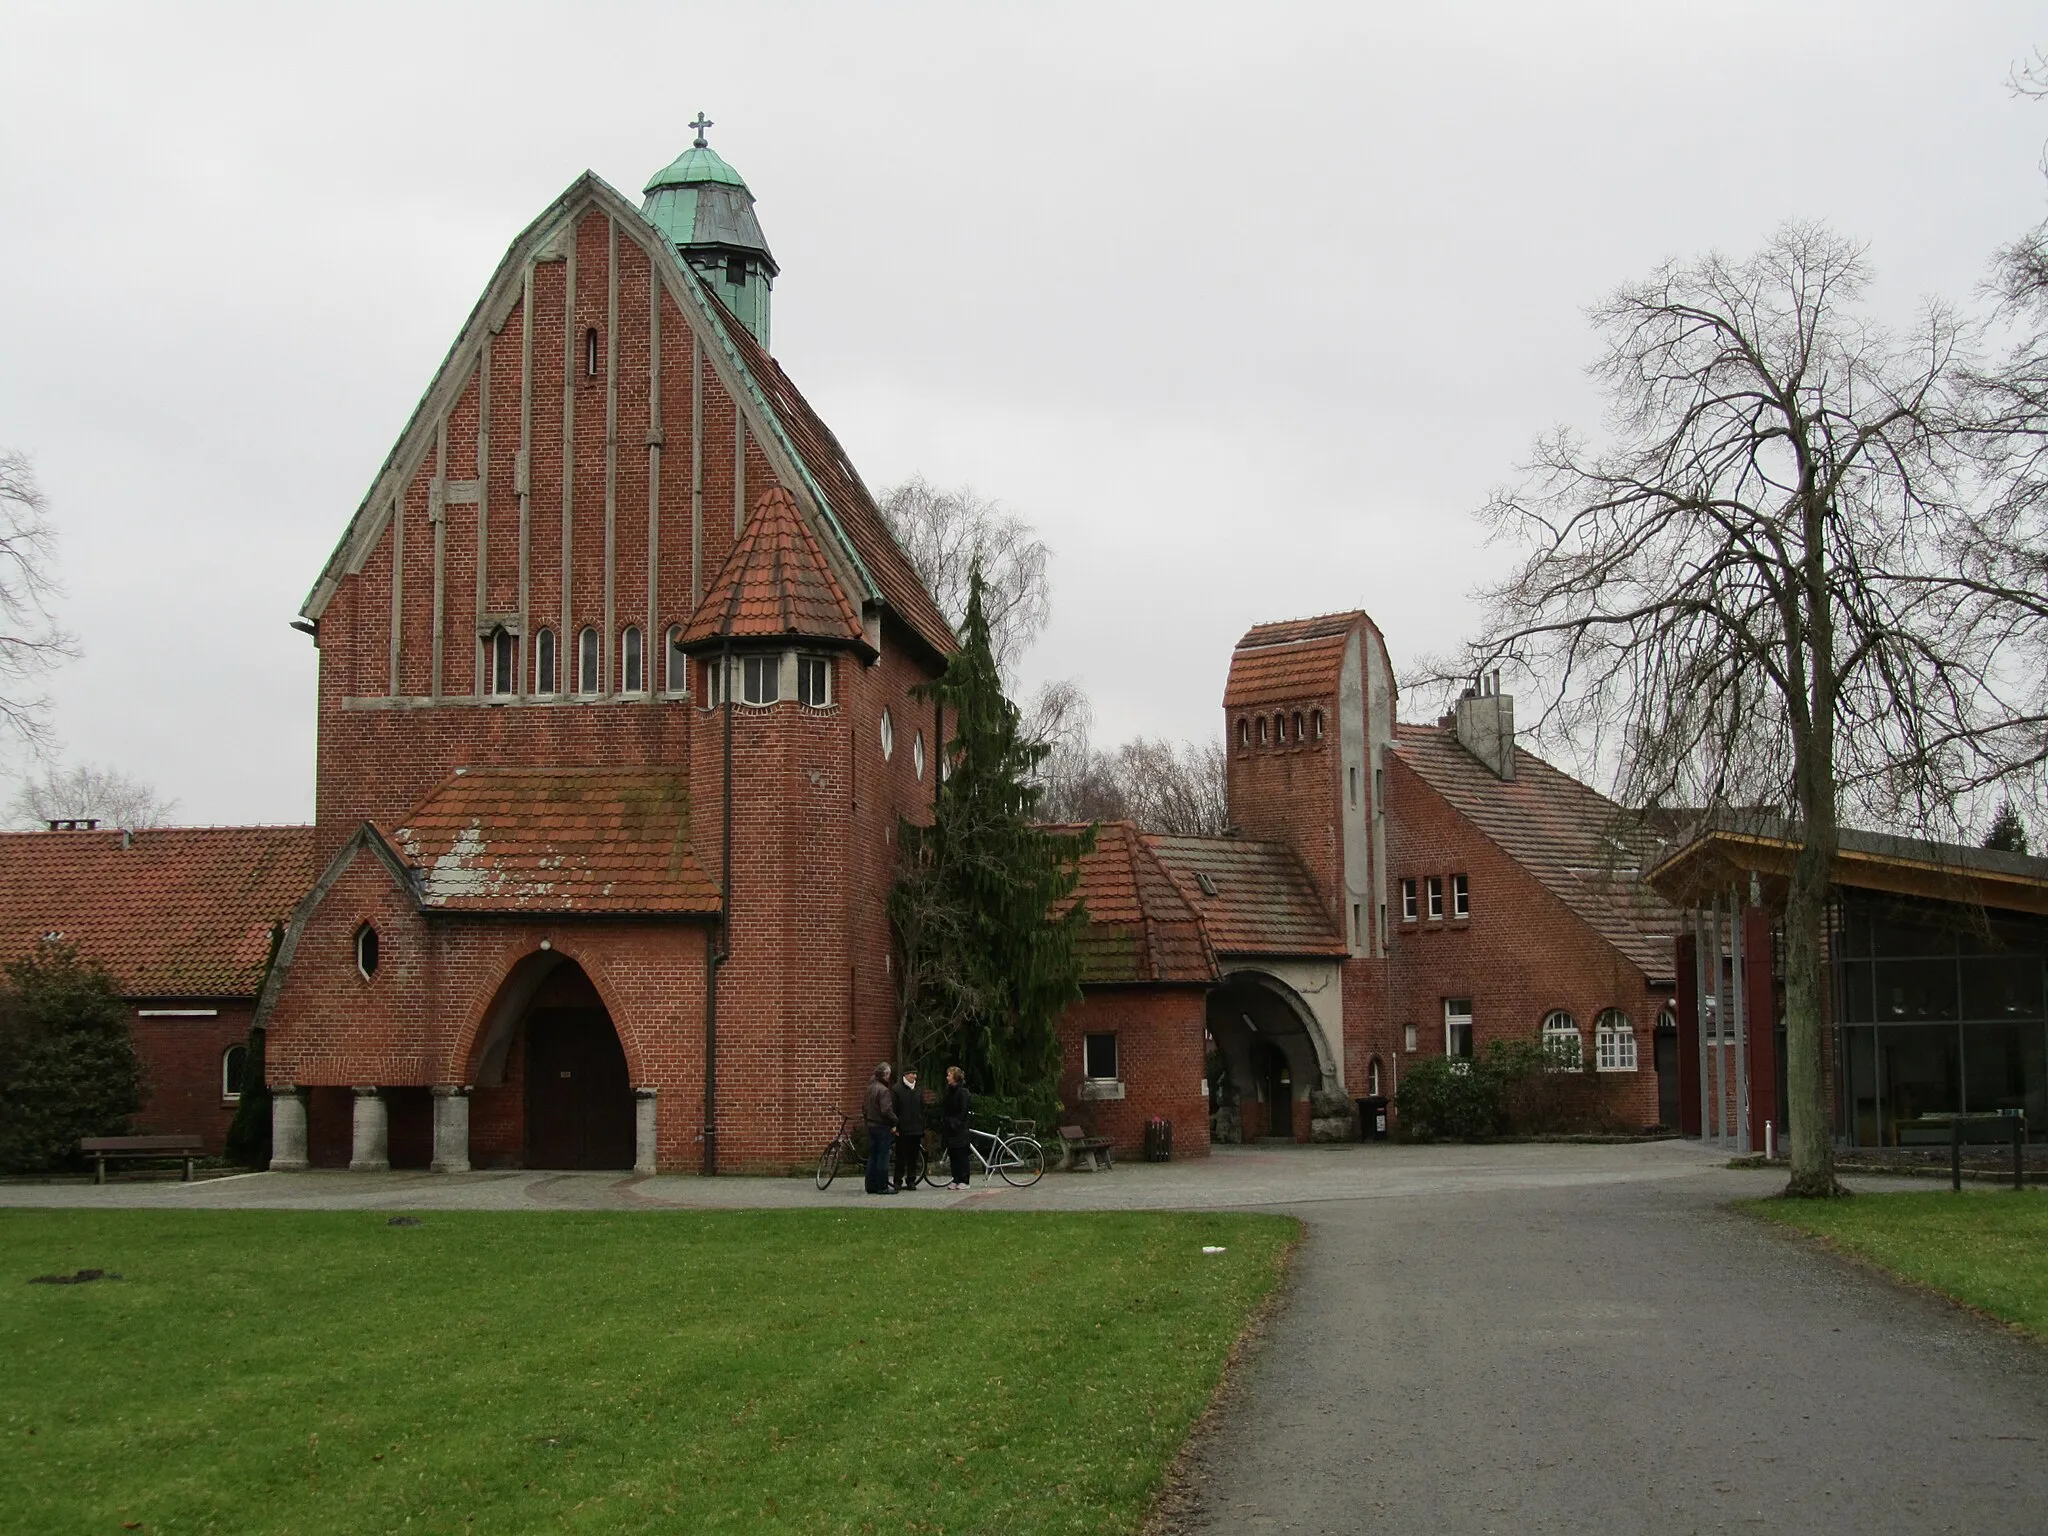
[
  {"x": 1372, "y": 1118},
  {"x": 1158, "y": 1140}
]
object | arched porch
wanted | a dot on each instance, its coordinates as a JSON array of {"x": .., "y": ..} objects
[
  {"x": 1267, "y": 1053},
  {"x": 552, "y": 1087}
]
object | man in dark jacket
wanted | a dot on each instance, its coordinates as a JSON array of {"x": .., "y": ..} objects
[
  {"x": 878, "y": 1114},
  {"x": 909, "y": 1105}
]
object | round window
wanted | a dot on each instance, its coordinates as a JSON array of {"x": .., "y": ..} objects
[
  {"x": 366, "y": 951},
  {"x": 888, "y": 737}
]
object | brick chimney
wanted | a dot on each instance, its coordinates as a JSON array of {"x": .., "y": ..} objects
[{"x": 1486, "y": 726}]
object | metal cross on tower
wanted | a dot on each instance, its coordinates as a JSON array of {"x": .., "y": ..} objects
[{"x": 700, "y": 125}]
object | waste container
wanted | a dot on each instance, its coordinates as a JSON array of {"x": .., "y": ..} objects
[
  {"x": 1372, "y": 1118},
  {"x": 1158, "y": 1140}
]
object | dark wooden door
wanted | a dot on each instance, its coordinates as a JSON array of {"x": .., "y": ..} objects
[
  {"x": 1279, "y": 1087},
  {"x": 1667, "y": 1078},
  {"x": 579, "y": 1099}
]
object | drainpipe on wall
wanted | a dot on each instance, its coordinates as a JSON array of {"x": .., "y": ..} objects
[{"x": 718, "y": 943}]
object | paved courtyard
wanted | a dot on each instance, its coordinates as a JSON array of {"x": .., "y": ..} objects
[{"x": 1485, "y": 1339}]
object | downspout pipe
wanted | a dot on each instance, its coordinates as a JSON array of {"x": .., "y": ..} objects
[{"x": 718, "y": 942}]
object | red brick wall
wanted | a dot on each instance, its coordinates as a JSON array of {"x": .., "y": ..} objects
[
  {"x": 1293, "y": 793},
  {"x": 1522, "y": 953},
  {"x": 1160, "y": 1059},
  {"x": 181, "y": 1068}
]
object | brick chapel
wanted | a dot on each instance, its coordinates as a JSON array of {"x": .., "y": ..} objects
[{"x": 616, "y": 727}]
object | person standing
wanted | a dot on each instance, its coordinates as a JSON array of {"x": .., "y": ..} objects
[
  {"x": 953, "y": 1122},
  {"x": 878, "y": 1114},
  {"x": 909, "y": 1104}
]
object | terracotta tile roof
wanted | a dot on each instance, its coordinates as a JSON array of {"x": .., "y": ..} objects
[
  {"x": 1570, "y": 837},
  {"x": 1140, "y": 927},
  {"x": 567, "y": 840},
  {"x": 1291, "y": 660},
  {"x": 1263, "y": 902},
  {"x": 847, "y": 497},
  {"x": 178, "y": 912},
  {"x": 775, "y": 582}
]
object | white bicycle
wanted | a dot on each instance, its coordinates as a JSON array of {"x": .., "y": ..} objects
[{"x": 1010, "y": 1151}]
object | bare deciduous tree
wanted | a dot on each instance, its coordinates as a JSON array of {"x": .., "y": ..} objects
[
  {"x": 30, "y": 641},
  {"x": 87, "y": 792},
  {"x": 946, "y": 533},
  {"x": 1750, "y": 595}
]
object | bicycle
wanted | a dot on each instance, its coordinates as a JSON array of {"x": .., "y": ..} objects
[
  {"x": 1010, "y": 1151},
  {"x": 837, "y": 1150}
]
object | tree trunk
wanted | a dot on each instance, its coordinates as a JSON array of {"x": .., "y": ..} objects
[{"x": 1809, "y": 1137}]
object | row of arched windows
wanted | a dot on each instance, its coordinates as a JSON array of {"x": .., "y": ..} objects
[
  {"x": 1614, "y": 1040},
  {"x": 501, "y": 663},
  {"x": 1273, "y": 730}
]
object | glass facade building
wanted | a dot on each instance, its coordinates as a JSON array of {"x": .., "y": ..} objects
[{"x": 1939, "y": 1009}]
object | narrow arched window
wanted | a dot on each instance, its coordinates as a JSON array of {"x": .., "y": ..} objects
[
  {"x": 1315, "y": 725},
  {"x": 590, "y": 352},
  {"x": 586, "y": 662},
  {"x": 1262, "y": 730},
  {"x": 503, "y": 660},
  {"x": 1244, "y": 731},
  {"x": 1372, "y": 1077},
  {"x": 234, "y": 1062},
  {"x": 544, "y": 662},
  {"x": 678, "y": 661},
  {"x": 366, "y": 951},
  {"x": 1279, "y": 730},
  {"x": 1614, "y": 1042},
  {"x": 629, "y": 660},
  {"x": 1298, "y": 737},
  {"x": 1561, "y": 1041}
]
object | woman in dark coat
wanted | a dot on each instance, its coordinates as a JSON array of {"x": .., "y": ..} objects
[{"x": 953, "y": 1114}]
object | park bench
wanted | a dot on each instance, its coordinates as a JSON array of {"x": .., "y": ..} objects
[
  {"x": 172, "y": 1148},
  {"x": 1080, "y": 1152}
]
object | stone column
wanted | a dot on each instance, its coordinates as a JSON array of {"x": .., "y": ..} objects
[
  {"x": 646, "y": 1104},
  {"x": 287, "y": 1129},
  {"x": 451, "y": 1130},
  {"x": 372, "y": 1138}
]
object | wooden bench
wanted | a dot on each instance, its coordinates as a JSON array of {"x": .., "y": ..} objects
[
  {"x": 1080, "y": 1152},
  {"x": 173, "y": 1148}
]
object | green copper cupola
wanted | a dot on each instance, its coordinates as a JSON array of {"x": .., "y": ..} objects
[{"x": 706, "y": 211}]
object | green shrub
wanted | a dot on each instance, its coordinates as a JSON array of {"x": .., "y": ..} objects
[
  {"x": 1450, "y": 1098},
  {"x": 67, "y": 1065}
]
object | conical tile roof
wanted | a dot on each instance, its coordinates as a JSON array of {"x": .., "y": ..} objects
[{"x": 774, "y": 584}]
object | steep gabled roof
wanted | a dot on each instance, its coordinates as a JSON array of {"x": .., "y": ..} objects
[
  {"x": 774, "y": 583},
  {"x": 843, "y": 491},
  {"x": 1290, "y": 660},
  {"x": 1140, "y": 928},
  {"x": 170, "y": 911},
  {"x": 1258, "y": 899},
  {"x": 565, "y": 840},
  {"x": 804, "y": 453},
  {"x": 1571, "y": 838}
]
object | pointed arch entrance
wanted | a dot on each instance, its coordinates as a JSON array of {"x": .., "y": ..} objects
[{"x": 551, "y": 1075}]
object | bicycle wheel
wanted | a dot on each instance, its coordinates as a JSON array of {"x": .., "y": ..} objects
[
  {"x": 1023, "y": 1162},
  {"x": 828, "y": 1162}
]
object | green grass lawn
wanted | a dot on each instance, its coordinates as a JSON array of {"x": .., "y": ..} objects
[
  {"x": 722, "y": 1371},
  {"x": 1986, "y": 1248}
]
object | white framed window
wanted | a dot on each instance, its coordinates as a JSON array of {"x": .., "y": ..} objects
[
  {"x": 760, "y": 679},
  {"x": 1458, "y": 1027},
  {"x": 814, "y": 681},
  {"x": 501, "y": 661},
  {"x": 1461, "y": 896},
  {"x": 1614, "y": 1042},
  {"x": 677, "y": 677},
  {"x": 1408, "y": 1038},
  {"x": 544, "y": 663},
  {"x": 1435, "y": 884},
  {"x": 1409, "y": 904},
  {"x": 1372, "y": 1077},
  {"x": 234, "y": 1062},
  {"x": 366, "y": 951},
  {"x": 1561, "y": 1039},
  {"x": 917, "y": 755},
  {"x": 888, "y": 736},
  {"x": 631, "y": 679},
  {"x": 1099, "y": 1057},
  {"x": 586, "y": 661}
]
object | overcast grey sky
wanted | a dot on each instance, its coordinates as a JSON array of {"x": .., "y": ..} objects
[{"x": 1244, "y": 307}]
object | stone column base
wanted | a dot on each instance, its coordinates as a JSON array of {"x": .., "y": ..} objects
[
  {"x": 371, "y": 1153},
  {"x": 646, "y": 1121},
  {"x": 451, "y": 1130},
  {"x": 287, "y": 1130}
]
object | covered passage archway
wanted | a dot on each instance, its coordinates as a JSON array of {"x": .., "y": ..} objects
[
  {"x": 552, "y": 1085},
  {"x": 1266, "y": 1058}
]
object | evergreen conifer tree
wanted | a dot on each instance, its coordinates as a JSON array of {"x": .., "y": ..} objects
[
  {"x": 2008, "y": 833},
  {"x": 985, "y": 921},
  {"x": 67, "y": 1066}
]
